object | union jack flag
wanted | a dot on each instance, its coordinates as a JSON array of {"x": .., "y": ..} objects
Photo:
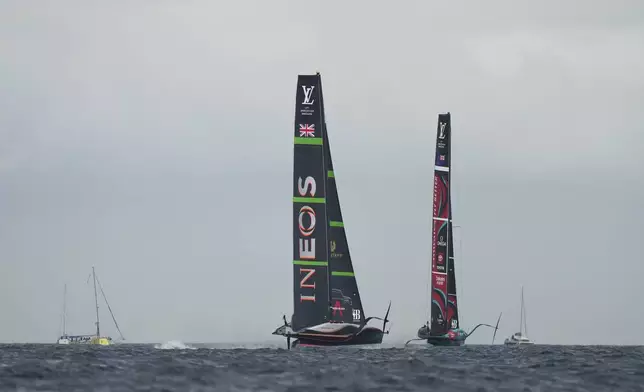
[
  {"x": 307, "y": 130},
  {"x": 441, "y": 157}
]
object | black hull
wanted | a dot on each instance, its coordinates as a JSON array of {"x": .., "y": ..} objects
[
  {"x": 445, "y": 342},
  {"x": 368, "y": 335}
]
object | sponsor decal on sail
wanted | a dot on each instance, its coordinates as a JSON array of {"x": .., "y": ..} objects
[
  {"x": 307, "y": 223},
  {"x": 332, "y": 247},
  {"x": 307, "y": 130},
  {"x": 309, "y": 99},
  {"x": 338, "y": 308}
]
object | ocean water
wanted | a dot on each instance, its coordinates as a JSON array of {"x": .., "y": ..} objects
[{"x": 174, "y": 366}]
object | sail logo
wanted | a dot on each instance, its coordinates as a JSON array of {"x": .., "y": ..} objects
[
  {"x": 441, "y": 242},
  {"x": 332, "y": 247},
  {"x": 441, "y": 134},
  {"x": 338, "y": 308},
  {"x": 356, "y": 314},
  {"x": 308, "y": 95},
  {"x": 307, "y": 130}
]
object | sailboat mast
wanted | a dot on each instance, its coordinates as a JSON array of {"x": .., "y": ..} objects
[
  {"x": 65, "y": 310},
  {"x": 521, "y": 321},
  {"x": 98, "y": 330}
]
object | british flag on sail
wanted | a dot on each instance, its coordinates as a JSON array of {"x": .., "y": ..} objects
[{"x": 307, "y": 130}]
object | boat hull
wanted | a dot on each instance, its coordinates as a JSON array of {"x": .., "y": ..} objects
[
  {"x": 515, "y": 343},
  {"x": 450, "y": 339},
  {"x": 518, "y": 339},
  {"x": 85, "y": 340},
  {"x": 336, "y": 334},
  {"x": 368, "y": 336}
]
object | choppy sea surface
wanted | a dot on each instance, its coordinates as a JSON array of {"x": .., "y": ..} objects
[{"x": 174, "y": 366}]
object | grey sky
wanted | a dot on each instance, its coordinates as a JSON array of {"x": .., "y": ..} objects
[{"x": 152, "y": 139}]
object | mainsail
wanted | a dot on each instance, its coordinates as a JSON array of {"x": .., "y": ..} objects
[
  {"x": 325, "y": 287},
  {"x": 444, "y": 309},
  {"x": 443, "y": 328},
  {"x": 311, "y": 292}
]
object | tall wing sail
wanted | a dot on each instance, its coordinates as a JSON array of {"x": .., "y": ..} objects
[
  {"x": 310, "y": 251},
  {"x": 441, "y": 228}
]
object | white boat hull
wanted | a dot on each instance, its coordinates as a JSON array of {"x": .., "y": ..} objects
[
  {"x": 517, "y": 340},
  {"x": 86, "y": 339}
]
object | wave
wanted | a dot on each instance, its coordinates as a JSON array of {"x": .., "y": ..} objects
[{"x": 174, "y": 345}]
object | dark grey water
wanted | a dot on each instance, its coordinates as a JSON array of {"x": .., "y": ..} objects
[{"x": 468, "y": 368}]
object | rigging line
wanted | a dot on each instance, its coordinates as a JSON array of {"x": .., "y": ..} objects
[
  {"x": 428, "y": 292},
  {"x": 109, "y": 308},
  {"x": 525, "y": 317},
  {"x": 65, "y": 310},
  {"x": 521, "y": 317},
  {"x": 457, "y": 195},
  {"x": 429, "y": 265},
  {"x": 61, "y": 328},
  {"x": 462, "y": 269}
]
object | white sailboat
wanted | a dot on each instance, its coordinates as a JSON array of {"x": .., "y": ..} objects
[
  {"x": 520, "y": 337},
  {"x": 94, "y": 339},
  {"x": 64, "y": 339}
]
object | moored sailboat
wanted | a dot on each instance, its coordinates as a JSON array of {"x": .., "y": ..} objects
[
  {"x": 444, "y": 329},
  {"x": 327, "y": 308},
  {"x": 64, "y": 339},
  {"x": 95, "y": 339},
  {"x": 520, "y": 337}
]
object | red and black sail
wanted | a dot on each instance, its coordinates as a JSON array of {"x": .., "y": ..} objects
[{"x": 444, "y": 309}]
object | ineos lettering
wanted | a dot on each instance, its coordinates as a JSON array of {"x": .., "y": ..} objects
[
  {"x": 309, "y": 273},
  {"x": 308, "y": 182},
  {"x": 307, "y": 245},
  {"x": 303, "y": 285},
  {"x": 307, "y": 187},
  {"x": 307, "y": 231}
]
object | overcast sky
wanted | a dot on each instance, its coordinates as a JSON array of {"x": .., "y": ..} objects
[{"x": 153, "y": 140}]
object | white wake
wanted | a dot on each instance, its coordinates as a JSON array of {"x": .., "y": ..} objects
[{"x": 174, "y": 345}]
